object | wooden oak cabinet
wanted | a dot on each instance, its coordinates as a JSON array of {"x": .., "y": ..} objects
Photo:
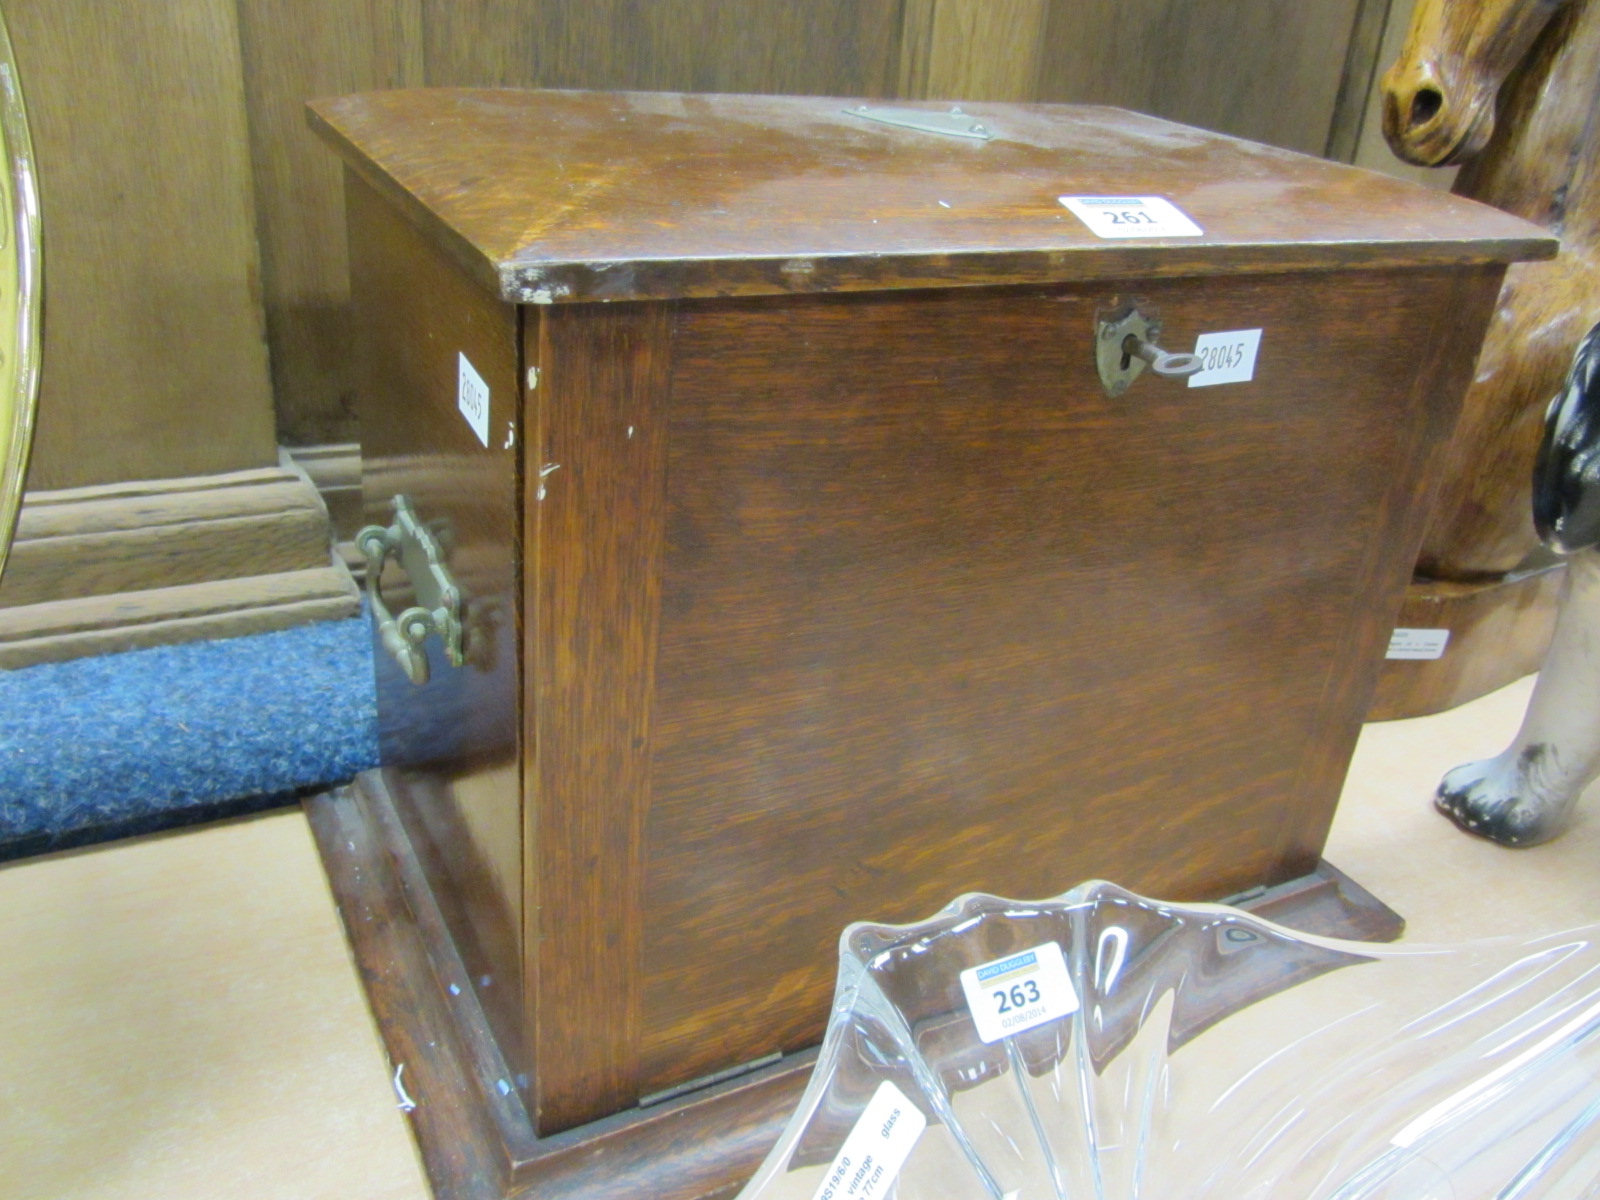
[{"x": 809, "y": 570}]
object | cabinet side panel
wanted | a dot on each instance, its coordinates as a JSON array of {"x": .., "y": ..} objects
[
  {"x": 1445, "y": 337},
  {"x": 450, "y": 747},
  {"x": 940, "y": 615},
  {"x": 595, "y": 495}
]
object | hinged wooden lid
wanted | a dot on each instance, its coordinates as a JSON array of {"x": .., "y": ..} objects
[{"x": 578, "y": 196}]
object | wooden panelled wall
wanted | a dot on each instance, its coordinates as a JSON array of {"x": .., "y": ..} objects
[{"x": 195, "y": 251}]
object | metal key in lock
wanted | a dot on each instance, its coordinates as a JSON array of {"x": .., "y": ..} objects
[
  {"x": 1125, "y": 342},
  {"x": 1172, "y": 366}
]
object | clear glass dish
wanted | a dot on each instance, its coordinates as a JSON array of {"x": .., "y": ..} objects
[{"x": 1194, "y": 1051}]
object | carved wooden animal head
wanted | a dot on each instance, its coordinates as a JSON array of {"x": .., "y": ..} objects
[{"x": 1439, "y": 96}]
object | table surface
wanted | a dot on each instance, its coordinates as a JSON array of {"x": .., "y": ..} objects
[{"x": 181, "y": 1017}]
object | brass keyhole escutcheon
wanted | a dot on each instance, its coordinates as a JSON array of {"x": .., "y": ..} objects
[{"x": 1125, "y": 343}]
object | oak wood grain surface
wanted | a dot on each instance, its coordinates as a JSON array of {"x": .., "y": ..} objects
[
  {"x": 452, "y": 747},
  {"x": 293, "y": 49},
  {"x": 117, "y": 566},
  {"x": 334, "y": 469},
  {"x": 1438, "y": 333},
  {"x": 596, "y": 493},
  {"x": 58, "y": 630},
  {"x": 938, "y": 615},
  {"x": 972, "y": 49},
  {"x": 99, "y": 541},
  {"x": 154, "y": 359},
  {"x": 1499, "y": 631},
  {"x": 646, "y": 195},
  {"x": 822, "y": 46},
  {"x": 1205, "y": 62}
]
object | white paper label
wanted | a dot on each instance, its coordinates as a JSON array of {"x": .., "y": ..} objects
[
  {"x": 1131, "y": 216},
  {"x": 1418, "y": 643},
  {"x": 1226, "y": 357},
  {"x": 472, "y": 398},
  {"x": 1019, "y": 992},
  {"x": 876, "y": 1149}
]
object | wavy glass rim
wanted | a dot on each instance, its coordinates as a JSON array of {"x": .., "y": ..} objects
[{"x": 1474, "y": 1069}]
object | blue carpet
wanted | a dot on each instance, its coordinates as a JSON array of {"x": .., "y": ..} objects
[{"x": 133, "y": 743}]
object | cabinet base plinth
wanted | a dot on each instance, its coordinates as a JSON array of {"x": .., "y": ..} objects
[{"x": 478, "y": 1143}]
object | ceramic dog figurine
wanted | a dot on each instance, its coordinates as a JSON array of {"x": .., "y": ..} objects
[{"x": 1525, "y": 795}]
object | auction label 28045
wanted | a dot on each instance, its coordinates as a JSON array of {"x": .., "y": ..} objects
[{"x": 1019, "y": 992}]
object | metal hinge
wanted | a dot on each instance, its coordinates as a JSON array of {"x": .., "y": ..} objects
[{"x": 954, "y": 123}]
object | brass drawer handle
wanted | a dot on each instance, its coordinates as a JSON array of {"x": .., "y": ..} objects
[{"x": 438, "y": 607}]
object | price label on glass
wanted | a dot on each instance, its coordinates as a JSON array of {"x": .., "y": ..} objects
[
  {"x": 1019, "y": 992},
  {"x": 878, "y": 1146}
]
